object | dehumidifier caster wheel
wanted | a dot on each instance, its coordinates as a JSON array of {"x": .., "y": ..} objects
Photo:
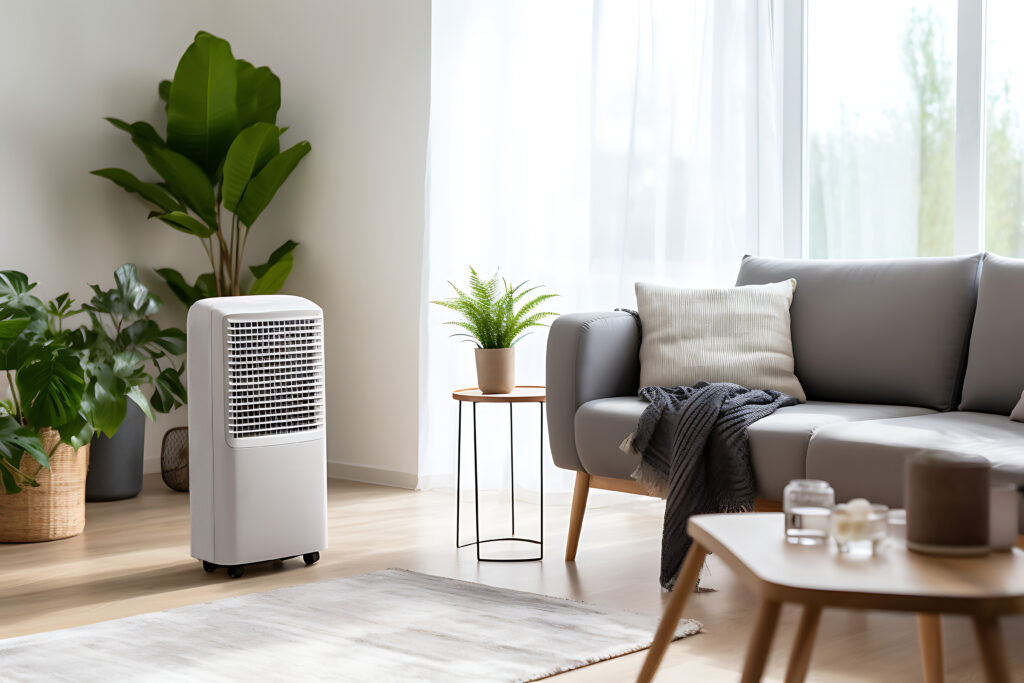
[
  {"x": 236, "y": 571},
  {"x": 311, "y": 558},
  {"x": 208, "y": 566}
]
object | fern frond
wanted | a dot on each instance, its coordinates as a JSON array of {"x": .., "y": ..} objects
[{"x": 489, "y": 310}]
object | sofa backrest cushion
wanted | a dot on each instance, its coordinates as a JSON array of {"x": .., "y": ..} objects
[
  {"x": 886, "y": 331},
  {"x": 995, "y": 364}
]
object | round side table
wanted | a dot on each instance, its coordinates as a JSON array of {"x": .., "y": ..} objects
[{"x": 521, "y": 394}]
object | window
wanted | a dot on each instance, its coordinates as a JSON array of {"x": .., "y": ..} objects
[
  {"x": 881, "y": 107},
  {"x": 1004, "y": 129},
  {"x": 903, "y": 127}
]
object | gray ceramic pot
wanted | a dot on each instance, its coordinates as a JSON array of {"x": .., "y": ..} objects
[{"x": 115, "y": 464}]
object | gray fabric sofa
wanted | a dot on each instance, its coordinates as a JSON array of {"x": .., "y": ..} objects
[{"x": 895, "y": 355}]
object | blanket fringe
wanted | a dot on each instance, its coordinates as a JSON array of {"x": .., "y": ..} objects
[{"x": 644, "y": 474}]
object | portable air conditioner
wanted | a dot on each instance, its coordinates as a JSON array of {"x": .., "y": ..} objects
[{"x": 256, "y": 432}]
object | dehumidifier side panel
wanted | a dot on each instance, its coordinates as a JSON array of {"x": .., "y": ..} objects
[{"x": 200, "y": 432}]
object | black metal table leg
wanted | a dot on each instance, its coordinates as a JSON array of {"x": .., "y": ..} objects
[{"x": 512, "y": 467}]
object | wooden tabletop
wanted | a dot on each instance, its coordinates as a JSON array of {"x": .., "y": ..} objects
[
  {"x": 754, "y": 545},
  {"x": 521, "y": 394}
]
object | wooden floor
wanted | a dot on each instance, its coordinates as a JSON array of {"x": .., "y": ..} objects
[{"x": 133, "y": 558}]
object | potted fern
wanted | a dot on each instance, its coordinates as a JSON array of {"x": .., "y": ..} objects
[{"x": 495, "y": 316}]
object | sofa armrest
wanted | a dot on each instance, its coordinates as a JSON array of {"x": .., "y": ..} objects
[{"x": 589, "y": 356}]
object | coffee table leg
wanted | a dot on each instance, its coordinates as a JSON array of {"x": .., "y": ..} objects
[
  {"x": 803, "y": 645},
  {"x": 929, "y": 632},
  {"x": 685, "y": 583},
  {"x": 761, "y": 641},
  {"x": 993, "y": 651}
]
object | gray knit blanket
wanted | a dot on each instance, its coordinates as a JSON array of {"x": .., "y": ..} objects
[{"x": 692, "y": 443}]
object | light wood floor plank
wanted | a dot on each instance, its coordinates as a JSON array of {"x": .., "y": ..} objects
[{"x": 133, "y": 558}]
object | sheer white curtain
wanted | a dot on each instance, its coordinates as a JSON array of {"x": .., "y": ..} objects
[{"x": 585, "y": 146}]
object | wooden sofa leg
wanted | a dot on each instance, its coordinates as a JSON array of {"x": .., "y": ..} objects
[{"x": 579, "y": 506}]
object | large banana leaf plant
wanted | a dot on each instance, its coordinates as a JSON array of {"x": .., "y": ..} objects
[{"x": 219, "y": 166}]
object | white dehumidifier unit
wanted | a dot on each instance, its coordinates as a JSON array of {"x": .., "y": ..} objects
[{"x": 256, "y": 431}]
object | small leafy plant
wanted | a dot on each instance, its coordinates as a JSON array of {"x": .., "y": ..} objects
[
  {"x": 222, "y": 151},
  {"x": 123, "y": 349},
  {"x": 77, "y": 381},
  {"x": 493, "y": 316}
]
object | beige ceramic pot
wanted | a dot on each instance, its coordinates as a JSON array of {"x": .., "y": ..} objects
[
  {"x": 496, "y": 370},
  {"x": 56, "y": 508}
]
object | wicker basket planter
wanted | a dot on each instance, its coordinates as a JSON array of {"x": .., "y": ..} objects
[{"x": 56, "y": 508}]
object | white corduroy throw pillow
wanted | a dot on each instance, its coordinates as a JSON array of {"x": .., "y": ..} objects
[{"x": 740, "y": 335}]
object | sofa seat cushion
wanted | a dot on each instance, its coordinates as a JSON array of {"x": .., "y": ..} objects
[
  {"x": 778, "y": 443},
  {"x": 866, "y": 459}
]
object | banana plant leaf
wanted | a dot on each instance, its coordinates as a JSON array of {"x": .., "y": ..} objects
[
  {"x": 139, "y": 129},
  {"x": 268, "y": 181},
  {"x": 184, "y": 179},
  {"x": 259, "y": 94},
  {"x": 248, "y": 154},
  {"x": 271, "y": 275},
  {"x": 164, "y": 91},
  {"x": 202, "y": 111},
  {"x": 179, "y": 220},
  {"x": 151, "y": 192},
  {"x": 204, "y": 288}
]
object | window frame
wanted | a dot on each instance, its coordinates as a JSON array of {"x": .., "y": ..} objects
[{"x": 969, "y": 187}]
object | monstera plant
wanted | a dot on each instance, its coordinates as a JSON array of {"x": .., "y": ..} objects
[
  {"x": 219, "y": 166},
  {"x": 78, "y": 381}
]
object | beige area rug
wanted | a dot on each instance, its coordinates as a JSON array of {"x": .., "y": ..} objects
[{"x": 391, "y": 625}]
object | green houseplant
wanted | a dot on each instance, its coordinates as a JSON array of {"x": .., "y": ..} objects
[
  {"x": 66, "y": 385},
  {"x": 122, "y": 334},
  {"x": 496, "y": 315},
  {"x": 219, "y": 166},
  {"x": 47, "y": 419}
]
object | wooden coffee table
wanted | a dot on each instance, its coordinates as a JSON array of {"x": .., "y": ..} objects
[{"x": 753, "y": 545}]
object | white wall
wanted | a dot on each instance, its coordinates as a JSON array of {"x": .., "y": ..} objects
[{"x": 355, "y": 83}]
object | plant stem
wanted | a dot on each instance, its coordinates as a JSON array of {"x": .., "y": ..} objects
[
  {"x": 238, "y": 256},
  {"x": 14, "y": 397},
  {"x": 222, "y": 283},
  {"x": 241, "y": 248},
  {"x": 233, "y": 265},
  {"x": 208, "y": 247}
]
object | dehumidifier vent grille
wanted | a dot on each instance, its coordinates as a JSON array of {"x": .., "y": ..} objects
[{"x": 275, "y": 376}]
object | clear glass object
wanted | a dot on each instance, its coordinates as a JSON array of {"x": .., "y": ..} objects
[
  {"x": 807, "y": 504},
  {"x": 859, "y": 529}
]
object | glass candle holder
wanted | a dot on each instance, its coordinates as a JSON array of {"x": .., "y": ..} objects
[
  {"x": 807, "y": 504},
  {"x": 859, "y": 527}
]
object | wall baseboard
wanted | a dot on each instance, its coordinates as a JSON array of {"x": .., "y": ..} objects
[
  {"x": 371, "y": 475},
  {"x": 337, "y": 470}
]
